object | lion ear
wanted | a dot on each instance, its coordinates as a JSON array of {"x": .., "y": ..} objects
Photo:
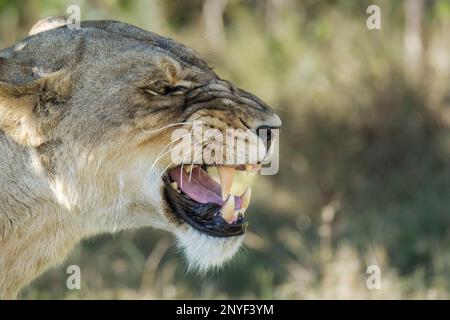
[
  {"x": 47, "y": 24},
  {"x": 27, "y": 104}
]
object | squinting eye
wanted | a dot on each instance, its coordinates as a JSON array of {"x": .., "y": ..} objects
[
  {"x": 157, "y": 88},
  {"x": 152, "y": 92},
  {"x": 175, "y": 90},
  {"x": 166, "y": 90}
]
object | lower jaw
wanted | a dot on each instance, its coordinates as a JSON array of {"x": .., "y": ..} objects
[
  {"x": 205, "y": 218},
  {"x": 204, "y": 253}
]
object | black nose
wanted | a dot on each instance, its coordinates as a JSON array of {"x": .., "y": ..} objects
[{"x": 265, "y": 133}]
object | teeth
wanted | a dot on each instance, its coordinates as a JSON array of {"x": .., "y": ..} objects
[
  {"x": 188, "y": 168},
  {"x": 226, "y": 175},
  {"x": 228, "y": 213},
  {"x": 245, "y": 200},
  {"x": 175, "y": 186}
]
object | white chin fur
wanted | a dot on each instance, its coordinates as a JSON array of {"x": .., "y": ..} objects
[{"x": 205, "y": 252}]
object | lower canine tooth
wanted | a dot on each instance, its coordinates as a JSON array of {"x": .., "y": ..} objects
[{"x": 228, "y": 213}]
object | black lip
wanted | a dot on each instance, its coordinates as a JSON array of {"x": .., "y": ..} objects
[{"x": 202, "y": 217}]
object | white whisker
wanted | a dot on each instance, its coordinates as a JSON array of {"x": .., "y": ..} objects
[
  {"x": 182, "y": 164},
  {"x": 165, "y": 169},
  {"x": 168, "y": 126},
  {"x": 200, "y": 149},
  {"x": 160, "y": 156}
]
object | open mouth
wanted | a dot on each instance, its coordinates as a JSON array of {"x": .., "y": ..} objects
[{"x": 206, "y": 205}]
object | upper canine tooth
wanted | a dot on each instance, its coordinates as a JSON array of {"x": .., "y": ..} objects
[
  {"x": 188, "y": 168},
  {"x": 228, "y": 213},
  {"x": 245, "y": 200},
  {"x": 226, "y": 175}
]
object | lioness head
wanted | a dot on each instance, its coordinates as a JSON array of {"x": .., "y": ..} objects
[{"x": 97, "y": 107}]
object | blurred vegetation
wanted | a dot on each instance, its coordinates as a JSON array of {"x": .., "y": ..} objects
[{"x": 365, "y": 150}]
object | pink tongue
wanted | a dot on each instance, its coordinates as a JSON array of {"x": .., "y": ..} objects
[
  {"x": 199, "y": 186},
  {"x": 206, "y": 180}
]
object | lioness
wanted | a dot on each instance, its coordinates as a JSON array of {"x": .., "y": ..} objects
[{"x": 86, "y": 116}]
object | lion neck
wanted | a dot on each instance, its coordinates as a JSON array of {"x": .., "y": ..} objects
[
  {"x": 40, "y": 222},
  {"x": 35, "y": 231}
]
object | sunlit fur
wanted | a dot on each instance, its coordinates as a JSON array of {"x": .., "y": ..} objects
[
  {"x": 204, "y": 252},
  {"x": 80, "y": 139}
]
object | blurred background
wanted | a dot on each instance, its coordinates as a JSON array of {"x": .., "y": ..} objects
[{"x": 365, "y": 150}]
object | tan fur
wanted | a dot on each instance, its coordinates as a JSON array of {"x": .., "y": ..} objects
[{"x": 79, "y": 134}]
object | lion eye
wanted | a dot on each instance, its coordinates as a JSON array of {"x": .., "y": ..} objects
[
  {"x": 165, "y": 90},
  {"x": 152, "y": 92},
  {"x": 176, "y": 90},
  {"x": 157, "y": 88}
]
